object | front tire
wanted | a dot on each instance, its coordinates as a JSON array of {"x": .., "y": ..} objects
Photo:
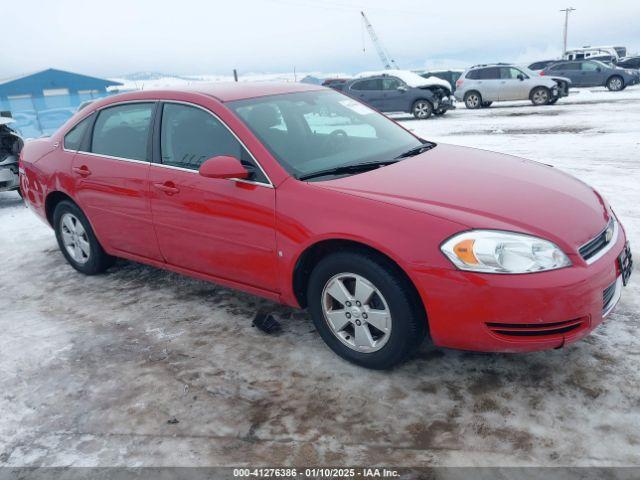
[
  {"x": 473, "y": 100},
  {"x": 77, "y": 241},
  {"x": 422, "y": 109},
  {"x": 540, "y": 96},
  {"x": 365, "y": 310},
  {"x": 615, "y": 83}
]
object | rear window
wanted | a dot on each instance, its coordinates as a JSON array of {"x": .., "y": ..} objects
[
  {"x": 73, "y": 139},
  {"x": 123, "y": 131},
  {"x": 473, "y": 75}
]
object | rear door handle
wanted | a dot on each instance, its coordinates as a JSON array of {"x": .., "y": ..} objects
[
  {"x": 82, "y": 171},
  {"x": 167, "y": 187}
]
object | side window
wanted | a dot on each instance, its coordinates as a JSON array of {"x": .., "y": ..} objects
[
  {"x": 491, "y": 73},
  {"x": 510, "y": 73},
  {"x": 123, "y": 131},
  {"x": 369, "y": 84},
  {"x": 589, "y": 66},
  {"x": 73, "y": 139},
  {"x": 190, "y": 135},
  {"x": 390, "y": 83}
]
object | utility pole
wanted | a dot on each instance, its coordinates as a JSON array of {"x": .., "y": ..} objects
[{"x": 566, "y": 11}]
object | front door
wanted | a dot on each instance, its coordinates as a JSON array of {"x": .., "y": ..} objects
[
  {"x": 111, "y": 179},
  {"x": 511, "y": 86},
  {"x": 591, "y": 74},
  {"x": 217, "y": 227}
]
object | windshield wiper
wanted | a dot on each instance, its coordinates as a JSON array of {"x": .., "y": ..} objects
[
  {"x": 354, "y": 168},
  {"x": 417, "y": 150}
]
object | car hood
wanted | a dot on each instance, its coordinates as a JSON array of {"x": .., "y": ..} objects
[{"x": 482, "y": 189}]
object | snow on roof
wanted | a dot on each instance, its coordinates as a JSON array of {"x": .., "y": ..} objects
[{"x": 410, "y": 78}]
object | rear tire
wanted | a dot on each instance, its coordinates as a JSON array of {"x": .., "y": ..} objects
[
  {"x": 473, "y": 100},
  {"x": 615, "y": 83},
  {"x": 422, "y": 109},
  {"x": 540, "y": 96},
  {"x": 77, "y": 241},
  {"x": 383, "y": 293}
]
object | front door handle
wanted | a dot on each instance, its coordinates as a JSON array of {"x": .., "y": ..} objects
[
  {"x": 167, "y": 187},
  {"x": 83, "y": 171}
]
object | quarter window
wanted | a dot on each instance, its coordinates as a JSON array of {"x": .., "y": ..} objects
[
  {"x": 73, "y": 139},
  {"x": 190, "y": 135},
  {"x": 123, "y": 131}
]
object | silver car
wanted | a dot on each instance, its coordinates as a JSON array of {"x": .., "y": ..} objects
[{"x": 482, "y": 85}]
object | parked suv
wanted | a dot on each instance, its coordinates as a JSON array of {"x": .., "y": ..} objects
[
  {"x": 482, "y": 85},
  {"x": 450, "y": 76},
  {"x": 591, "y": 73},
  {"x": 402, "y": 91}
]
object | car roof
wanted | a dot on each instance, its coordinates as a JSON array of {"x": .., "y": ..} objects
[{"x": 232, "y": 91}]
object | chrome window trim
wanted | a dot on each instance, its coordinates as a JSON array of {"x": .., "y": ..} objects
[
  {"x": 608, "y": 247},
  {"x": 607, "y": 309},
  {"x": 239, "y": 180},
  {"x": 111, "y": 157}
]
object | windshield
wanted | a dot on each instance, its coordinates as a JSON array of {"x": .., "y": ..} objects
[{"x": 317, "y": 131}]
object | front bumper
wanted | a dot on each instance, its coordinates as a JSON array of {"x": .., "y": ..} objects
[
  {"x": 9, "y": 177},
  {"x": 520, "y": 313},
  {"x": 445, "y": 104}
]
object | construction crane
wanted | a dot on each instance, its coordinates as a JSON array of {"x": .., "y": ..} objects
[{"x": 388, "y": 62}]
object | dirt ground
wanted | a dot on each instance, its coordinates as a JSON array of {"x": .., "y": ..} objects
[{"x": 141, "y": 367}]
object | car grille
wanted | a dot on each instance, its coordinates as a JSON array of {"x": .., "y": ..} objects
[
  {"x": 594, "y": 246},
  {"x": 536, "y": 329}
]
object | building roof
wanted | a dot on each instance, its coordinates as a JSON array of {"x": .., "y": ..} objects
[{"x": 34, "y": 83}]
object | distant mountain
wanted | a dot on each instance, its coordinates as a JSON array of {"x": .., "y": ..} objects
[{"x": 145, "y": 76}]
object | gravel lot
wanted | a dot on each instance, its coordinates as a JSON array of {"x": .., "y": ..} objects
[{"x": 144, "y": 367}]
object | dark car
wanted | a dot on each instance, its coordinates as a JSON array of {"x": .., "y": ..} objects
[
  {"x": 335, "y": 83},
  {"x": 450, "y": 76},
  {"x": 630, "y": 62},
  {"x": 402, "y": 91},
  {"x": 541, "y": 65},
  {"x": 592, "y": 73}
]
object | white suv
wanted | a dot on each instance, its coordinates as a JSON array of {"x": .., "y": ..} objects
[{"x": 482, "y": 85}]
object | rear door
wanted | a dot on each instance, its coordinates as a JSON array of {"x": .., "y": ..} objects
[
  {"x": 489, "y": 83},
  {"x": 111, "y": 178},
  {"x": 217, "y": 227},
  {"x": 369, "y": 91},
  {"x": 570, "y": 70}
]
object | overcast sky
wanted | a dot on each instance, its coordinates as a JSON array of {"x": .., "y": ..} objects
[{"x": 184, "y": 37}]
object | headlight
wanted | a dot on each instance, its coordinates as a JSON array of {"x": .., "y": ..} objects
[{"x": 495, "y": 251}]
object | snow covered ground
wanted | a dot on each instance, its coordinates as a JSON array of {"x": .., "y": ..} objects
[{"x": 94, "y": 370}]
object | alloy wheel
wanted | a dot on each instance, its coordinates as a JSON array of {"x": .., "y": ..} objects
[
  {"x": 473, "y": 101},
  {"x": 540, "y": 97},
  {"x": 615, "y": 84},
  {"x": 75, "y": 238},
  {"x": 356, "y": 312},
  {"x": 422, "y": 110}
]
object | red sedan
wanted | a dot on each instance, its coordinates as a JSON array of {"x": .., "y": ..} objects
[{"x": 304, "y": 196}]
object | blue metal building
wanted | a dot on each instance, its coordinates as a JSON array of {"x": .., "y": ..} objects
[{"x": 42, "y": 101}]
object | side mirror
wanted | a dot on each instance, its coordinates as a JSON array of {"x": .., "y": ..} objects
[
  {"x": 223, "y": 166},
  {"x": 402, "y": 88},
  {"x": 521, "y": 77}
]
